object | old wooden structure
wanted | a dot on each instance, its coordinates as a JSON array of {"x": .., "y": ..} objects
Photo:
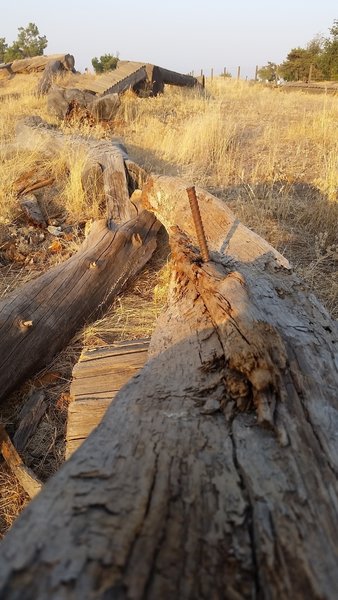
[{"x": 138, "y": 76}]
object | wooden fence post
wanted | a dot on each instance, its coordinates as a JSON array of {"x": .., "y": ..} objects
[
  {"x": 310, "y": 74},
  {"x": 238, "y": 73},
  {"x": 256, "y": 73},
  {"x": 212, "y": 73}
]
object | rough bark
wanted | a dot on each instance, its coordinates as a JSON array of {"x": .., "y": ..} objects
[
  {"x": 40, "y": 318},
  {"x": 105, "y": 107},
  {"x": 39, "y": 63},
  {"x": 59, "y": 100},
  {"x": 25, "y": 476},
  {"x": 173, "y": 78},
  {"x": 214, "y": 471},
  {"x": 53, "y": 68},
  {"x": 108, "y": 157}
]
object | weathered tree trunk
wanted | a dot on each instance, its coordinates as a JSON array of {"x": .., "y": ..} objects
[
  {"x": 40, "y": 318},
  {"x": 25, "y": 476},
  {"x": 39, "y": 63},
  {"x": 53, "y": 68},
  {"x": 101, "y": 156},
  {"x": 214, "y": 471}
]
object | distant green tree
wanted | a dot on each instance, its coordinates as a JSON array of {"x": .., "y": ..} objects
[
  {"x": 28, "y": 43},
  {"x": 3, "y": 49},
  {"x": 296, "y": 67},
  {"x": 268, "y": 72},
  {"x": 106, "y": 62},
  {"x": 329, "y": 58}
]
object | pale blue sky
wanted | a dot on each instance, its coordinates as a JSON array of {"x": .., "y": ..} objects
[{"x": 181, "y": 35}]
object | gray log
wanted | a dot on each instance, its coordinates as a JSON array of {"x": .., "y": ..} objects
[
  {"x": 40, "y": 318},
  {"x": 39, "y": 63},
  {"x": 59, "y": 99},
  {"x": 109, "y": 157},
  {"x": 105, "y": 107},
  {"x": 214, "y": 471},
  {"x": 53, "y": 68}
]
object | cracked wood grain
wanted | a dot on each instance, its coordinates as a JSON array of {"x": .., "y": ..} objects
[
  {"x": 104, "y": 172},
  {"x": 41, "y": 317}
]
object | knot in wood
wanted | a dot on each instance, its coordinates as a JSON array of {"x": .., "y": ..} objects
[
  {"x": 136, "y": 240},
  {"x": 25, "y": 324}
]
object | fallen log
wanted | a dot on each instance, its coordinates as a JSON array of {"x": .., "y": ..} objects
[
  {"x": 103, "y": 156},
  {"x": 31, "y": 209},
  {"x": 60, "y": 99},
  {"x": 41, "y": 317},
  {"x": 52, "y": 69},
  {"x": 214, "y": 471},
  {"x": 39, "y": 63},
  {"x": 25, "y": 476}
]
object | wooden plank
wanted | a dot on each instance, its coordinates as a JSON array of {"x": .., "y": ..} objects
[
  {"x": 97, "y": 377},
  {"x": 126, "y": 75}
]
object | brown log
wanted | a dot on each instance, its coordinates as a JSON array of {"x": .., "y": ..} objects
[
  {"x": 60, "y": 99},
  {"x": 52, "y": 69},
  {"x": 25, "y": 476},
  {"x": 214, "y": 471},
  {"x": 39, "y": 63},
  {"x": 32, "y": 210},
  {"x": 109, "y": 157},
  {"x": 40, "y": 318}
]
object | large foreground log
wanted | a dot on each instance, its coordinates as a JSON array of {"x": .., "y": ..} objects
[
  {"x": 214, "y": 471},
  {"x": 40, "y": 318}
]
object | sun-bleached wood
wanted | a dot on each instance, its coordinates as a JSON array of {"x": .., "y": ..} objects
[
  {"x": 25, "y": 476},
  {"x": 39, "y": 63},
  {"x": 41, "y": 317},
  {"x": 214, "y": 472},
  {"x": 99, "y": 156},
  {"x": 97, "y": 377}
]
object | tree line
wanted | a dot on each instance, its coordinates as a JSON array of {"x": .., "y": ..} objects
[{"x": 320, "y": 55}]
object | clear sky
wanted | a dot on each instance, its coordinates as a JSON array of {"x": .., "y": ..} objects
[{"x": 182, "y": 35}]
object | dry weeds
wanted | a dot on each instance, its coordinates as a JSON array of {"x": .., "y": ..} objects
[{"x": 273, "y": 157}]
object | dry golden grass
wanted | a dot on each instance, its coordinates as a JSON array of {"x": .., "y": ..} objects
[
  {"x": 273, "y": 157},
  {"x": 12, "y": 499}
]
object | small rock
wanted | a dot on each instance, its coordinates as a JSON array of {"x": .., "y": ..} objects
[{"x": 54, "y": 230}]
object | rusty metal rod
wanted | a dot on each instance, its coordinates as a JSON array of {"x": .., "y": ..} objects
[{"x": 196, "y": 215}]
